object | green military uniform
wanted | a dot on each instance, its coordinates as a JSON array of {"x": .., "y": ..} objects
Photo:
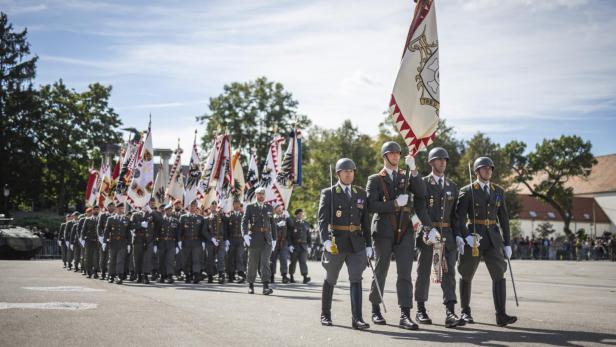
[
  {"x": 75, "y": 241},
  {"x": 166, "y": 241},
  {"x": 117, "y": 238},
  {"x": 281, "y": 252},
  {"x": 235, "y": 255},
  {"x": 68, "y": 232},
  {"x": 300, "y": 239},
  {"x": 63, "y": 248},
  {"x": 104, "y": 252},
  {"x": 343, "y": 214},
  {"x": 91, "y": 248},
  {"x": 144, "y": 224},
  {"x": 215, "y": 253},
  {"x": 258, "y": 223},
  {"x": 192, "y": 238}
]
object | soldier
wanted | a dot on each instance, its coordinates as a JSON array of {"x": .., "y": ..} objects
[
  {"x": 68, "y": 234},
  {"x": 192, "y": 242},
  {"x": 442, "y": 196},
  {"x": 257, "y": 226},
  {"x": 100, "y": 230},
  {"x": 300, "y": 245},
  {"x": 76, "y": 239},
  {"x": 145, "y": 224},
  {"x": 235, "y": 255},
  {"x": 216, "y": 244},
  {"x": 280, "y": 243},
  {"x": 117, "y": 237},
  {"x": 392, "y": 228},
  {"x": 344, "y": 225},
  {"x": 482, "y": 205},
  {"x": 167, "y": 244},
  {"x": 61, "y": 239},
  {"x": 89, "y": 239},
  {"x": 179, "y": 258}
]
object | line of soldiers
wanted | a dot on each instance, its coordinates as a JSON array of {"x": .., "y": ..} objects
[
  {"x": 458, "y": 221},
  {"x": 160, "y": 244}
]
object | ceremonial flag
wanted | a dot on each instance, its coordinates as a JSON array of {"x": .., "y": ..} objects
[
  {"x": 159, "y": 187},
  {"x": 93, "y": 176},
  {"x": 105, "y": 187},
  {"x": 252, "y": 177},
  {"x": 415, "y": 99},
  {"x": 175, "y": 184},
  {"x": 275, "y": 193},
  {"x": 142, "y": 183},
  {"x": 291, "y": 169},
  {"x": 191, "y": 186},
  {"x": 224, "y": 175}
]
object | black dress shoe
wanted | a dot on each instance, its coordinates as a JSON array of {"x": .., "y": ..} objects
[
  {"x": 251, "y": 288},
  {"x": 146, "y": 280},
  {"x": 291, "y": 279},
  {"x": 119, "y": 281},
  {"x": 161, "y": 279},
  {"x": 110, "y": 279},
  {"x": 467, "y": 318},
  {"x": 96, "y": 275},
  {"x": 210, "y": 279},
  {"x": 285, "y": 279},
  {"x": 359, "y": 324},
  {"x": 423, "y": 318},
  {"x": 266, "y": 289},
  {"x": 170, "y": 280},
  {"x": 242, "y": 278},
  {"x": 452, "y": 320},
  {"x": 326, "y": 319},
  {"x": 503, "y": 319},
  {"x": 307, "y": 280},
  {"x": 377, "y": 318},
  {"x": 405, "y": 320}
]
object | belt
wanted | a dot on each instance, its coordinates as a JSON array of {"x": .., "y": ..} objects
[
  {"x": 403, "y": 209},
  {"x": 346, "y": 227},
  {"x": 191, "y": 238},
  {"x": 260, "y": 230},
  {"x": 486, "y": 222},
  {"x": 440, "y": 224},
  {"x": 118, "y": 238},
  {"x": 167, "y": 238}
]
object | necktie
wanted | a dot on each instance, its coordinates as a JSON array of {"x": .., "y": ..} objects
[
  {"x": 348, "y": 192},
  {"x": 440, "y": 182},
  {"x": 485, "y": 189}
]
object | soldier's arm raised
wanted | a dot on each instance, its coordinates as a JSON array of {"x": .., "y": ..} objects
[{"x": 375, "y": 205}]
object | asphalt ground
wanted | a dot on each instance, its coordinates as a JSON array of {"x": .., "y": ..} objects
[{"x": 41, "y": 304}]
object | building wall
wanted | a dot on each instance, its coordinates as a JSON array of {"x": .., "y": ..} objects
[{"x": 527, "y": 227}]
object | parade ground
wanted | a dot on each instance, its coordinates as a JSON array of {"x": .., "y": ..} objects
[{"x": 561, "y": 304}]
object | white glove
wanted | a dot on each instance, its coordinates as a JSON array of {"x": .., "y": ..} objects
[
  {"x": 100, "y": 239},
  {"x": 82, "y": 242},
  {"x": 70, "y": 246},
  {"x": 177, "y": 250},
  {"x": 410, "y": 162},
  {"x": 155, "y": 249},
  {"x": 103, "y": 246},
  {"x": 328, "y": 246},
  {"x": 434, "y": 236},
  {"x": 214, "y": 241},
  {"x": 66, "y": 243},
  {"x": 203, "y": 245},
  {"x": 286, "y": 214},
  {"x": 59, "y": 243},
  {"x": 291, "y": 248},
  {"x": 144, "y": 224},
  {"x": 369, "y": 252},
  {"x": 180, "y": 244},
  {"x": 273, "y": 244},
  {"x": 460, "y": 244},
  {"x": 247, "y": 240},
  {"x": 508, "y": 252},
  {"x": 471, "y": 240},
  {"x": 402, "y": 199},
  {"x": 128, "y": 248},
  {"x": 281, "y": 223},
  {"x": 227, "y": 245},
  {"x": 309, "y": 249}
]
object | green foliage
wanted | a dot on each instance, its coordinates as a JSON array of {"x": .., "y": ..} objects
[
  {"x": 515, "y": 228},
  {"x": 545, "y": 229},
  {"x": 41, "y": 220},
  {"x": 253, "y": 113}
]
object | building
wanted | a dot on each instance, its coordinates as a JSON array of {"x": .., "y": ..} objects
[{"x": 594, "y": 203}]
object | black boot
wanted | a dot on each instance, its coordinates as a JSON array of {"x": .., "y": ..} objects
[
  {"x": 170, "y": 279},
  {"x": 451, "y": 320},
  {"x": 242, "y": 277},
  {"x": 377, "y": 318},
  {"x": 210, "y": 279},
  {"x": 422, "y": 315},
  {"x": 140, "y": 278},
  {"x": 132, "y": 277},
  {"x": 499, "y": 292},
  {"x": 154, "y": 275},
  {"x": 326, "y": 304},
  {"x": 89, "y": 274},
  {"x": 266, "y": 289},
  {"x": 103, "y": 275},
  {"x": 230, "y": 277},
  {"x": 292, "y": 280},
  {"x": 357, "y": 321},
  {"x": 146, "y": 280},
  {"x": 111, "y": 279},
  {"x": 251, "y": 288},
  {"x": 196, "y": 277},
  {"x": 306, "y": 278},
  {"x": 187, "y": 278},
  {"x": 161, "y": 279},
  {"x": 221, "y": 277},
  {"x": 95, "y": 274},
  {"x": 285, "y": 279},
  {"x": 120, "y": 279},
  {"x": 465, "y": 301},
  {"x": 405, "y": 319}
]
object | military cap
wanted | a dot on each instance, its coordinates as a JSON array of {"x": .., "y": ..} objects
[
  {"x": 390, "y": 147},
  {"x": 481, "y": 162},
  {"x": 260, "y": 190},
  {"x": 438, "y": 153},
  {"x": 345, "y": 164}
]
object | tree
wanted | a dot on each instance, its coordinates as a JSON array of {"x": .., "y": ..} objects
[
  {"x": 254, "y": 112},
  {"x": 323, "y": 148},
  {"x": 545, "y": 229},
  {"x": 546, "y": 171},
  {"x": 19, "y": 119},
  {"x": 77, "y": 126}
]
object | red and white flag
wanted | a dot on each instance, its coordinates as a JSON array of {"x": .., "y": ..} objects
[
  {"x": 91, "y": 188},
  {"x": 415, "y": 100},
  {"x": 142, "y": 183},
  {"x": 191, "y": 185},
  {"x": 175, "y": 184}
]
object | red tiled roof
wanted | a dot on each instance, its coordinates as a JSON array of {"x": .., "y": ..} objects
[{"x": 582, "y": 210}]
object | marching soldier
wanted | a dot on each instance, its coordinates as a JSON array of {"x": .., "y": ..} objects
[
  {"x": 100, "y": 229},
  {"x": 300, "y": 246},
  {"x": 68, "y": 234},
  {"x": 76, "y": 240},
  {"x": 179, "y": 258},
  {"x": 117, "y": 237},
  {"x": 216, "y": 244},
  {"x": 442, "y": 196},
  {"x": 280, "y": 246},
  {"x": 144, "y": 223},
  {"x": 257, "y": 226},
  {"x": 89, "y": 239},
  {"x": 344, "y": 224},
  {"x": 235, "y": 255},
  {"x": 192, "y": 242},
  {"x": 482, "y": 205},
  {"x": 392, "y": 228},
  {"x": 61, "y": 239},
  {"x": 167, "y": 244}
]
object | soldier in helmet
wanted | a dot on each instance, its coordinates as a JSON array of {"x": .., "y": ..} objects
[
  {"x": 344, "y": 224},
  {"x": 61, "y": 243},
  {"x": 442, "y": 197},
  {"x": 216, "y": 244},
  {"x": 166, "y": 242},
  {"x": 89, "y": 238},
  {"x": 100, "y": 230},
  {"x": 257, "y": 226},
  {"x": 300, "y": 246},
  {"x": 192, "y": 242},
  {"x": 68, "y": 234},
  {"x": 117, "y": 237},
  {"x": 145, "y": 223},
  {"x": 235, "y": 255},
  {"x": 392, "y": 229},
  {"x": 280, "y": 241},
  {"x": 480, "y": 209}
]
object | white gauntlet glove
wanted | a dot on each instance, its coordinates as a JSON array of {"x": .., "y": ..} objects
[
  {"x": 410, "y": 162},
  {"x": 369, "y": 252},
  {"x": 281, "y": 223},
  {"x": 507, "y": 250},
  {"x": 402, "y": 200},
  {"x": 144, "y": 224},
  {"x": 460, "y": 244},
  {"x": 328, "y": 246},
  {"x": 247, "y": 240},
  {"x": 470, "y": 240}
]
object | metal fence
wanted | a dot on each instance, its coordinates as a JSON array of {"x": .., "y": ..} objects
[{"x": 50, "y": 250}]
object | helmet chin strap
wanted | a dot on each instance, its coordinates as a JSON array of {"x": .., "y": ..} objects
[{"x": 388, "y": 161}]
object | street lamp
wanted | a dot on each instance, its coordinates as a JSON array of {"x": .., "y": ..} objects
[{"x": 6, "y": 192}]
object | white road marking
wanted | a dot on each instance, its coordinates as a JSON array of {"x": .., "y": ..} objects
[
  {"x": 72, "y": 306},
  {"x": 65, "y": 289}
]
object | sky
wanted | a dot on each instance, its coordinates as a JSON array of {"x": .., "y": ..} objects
[{"x": 512, "y": 69}]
